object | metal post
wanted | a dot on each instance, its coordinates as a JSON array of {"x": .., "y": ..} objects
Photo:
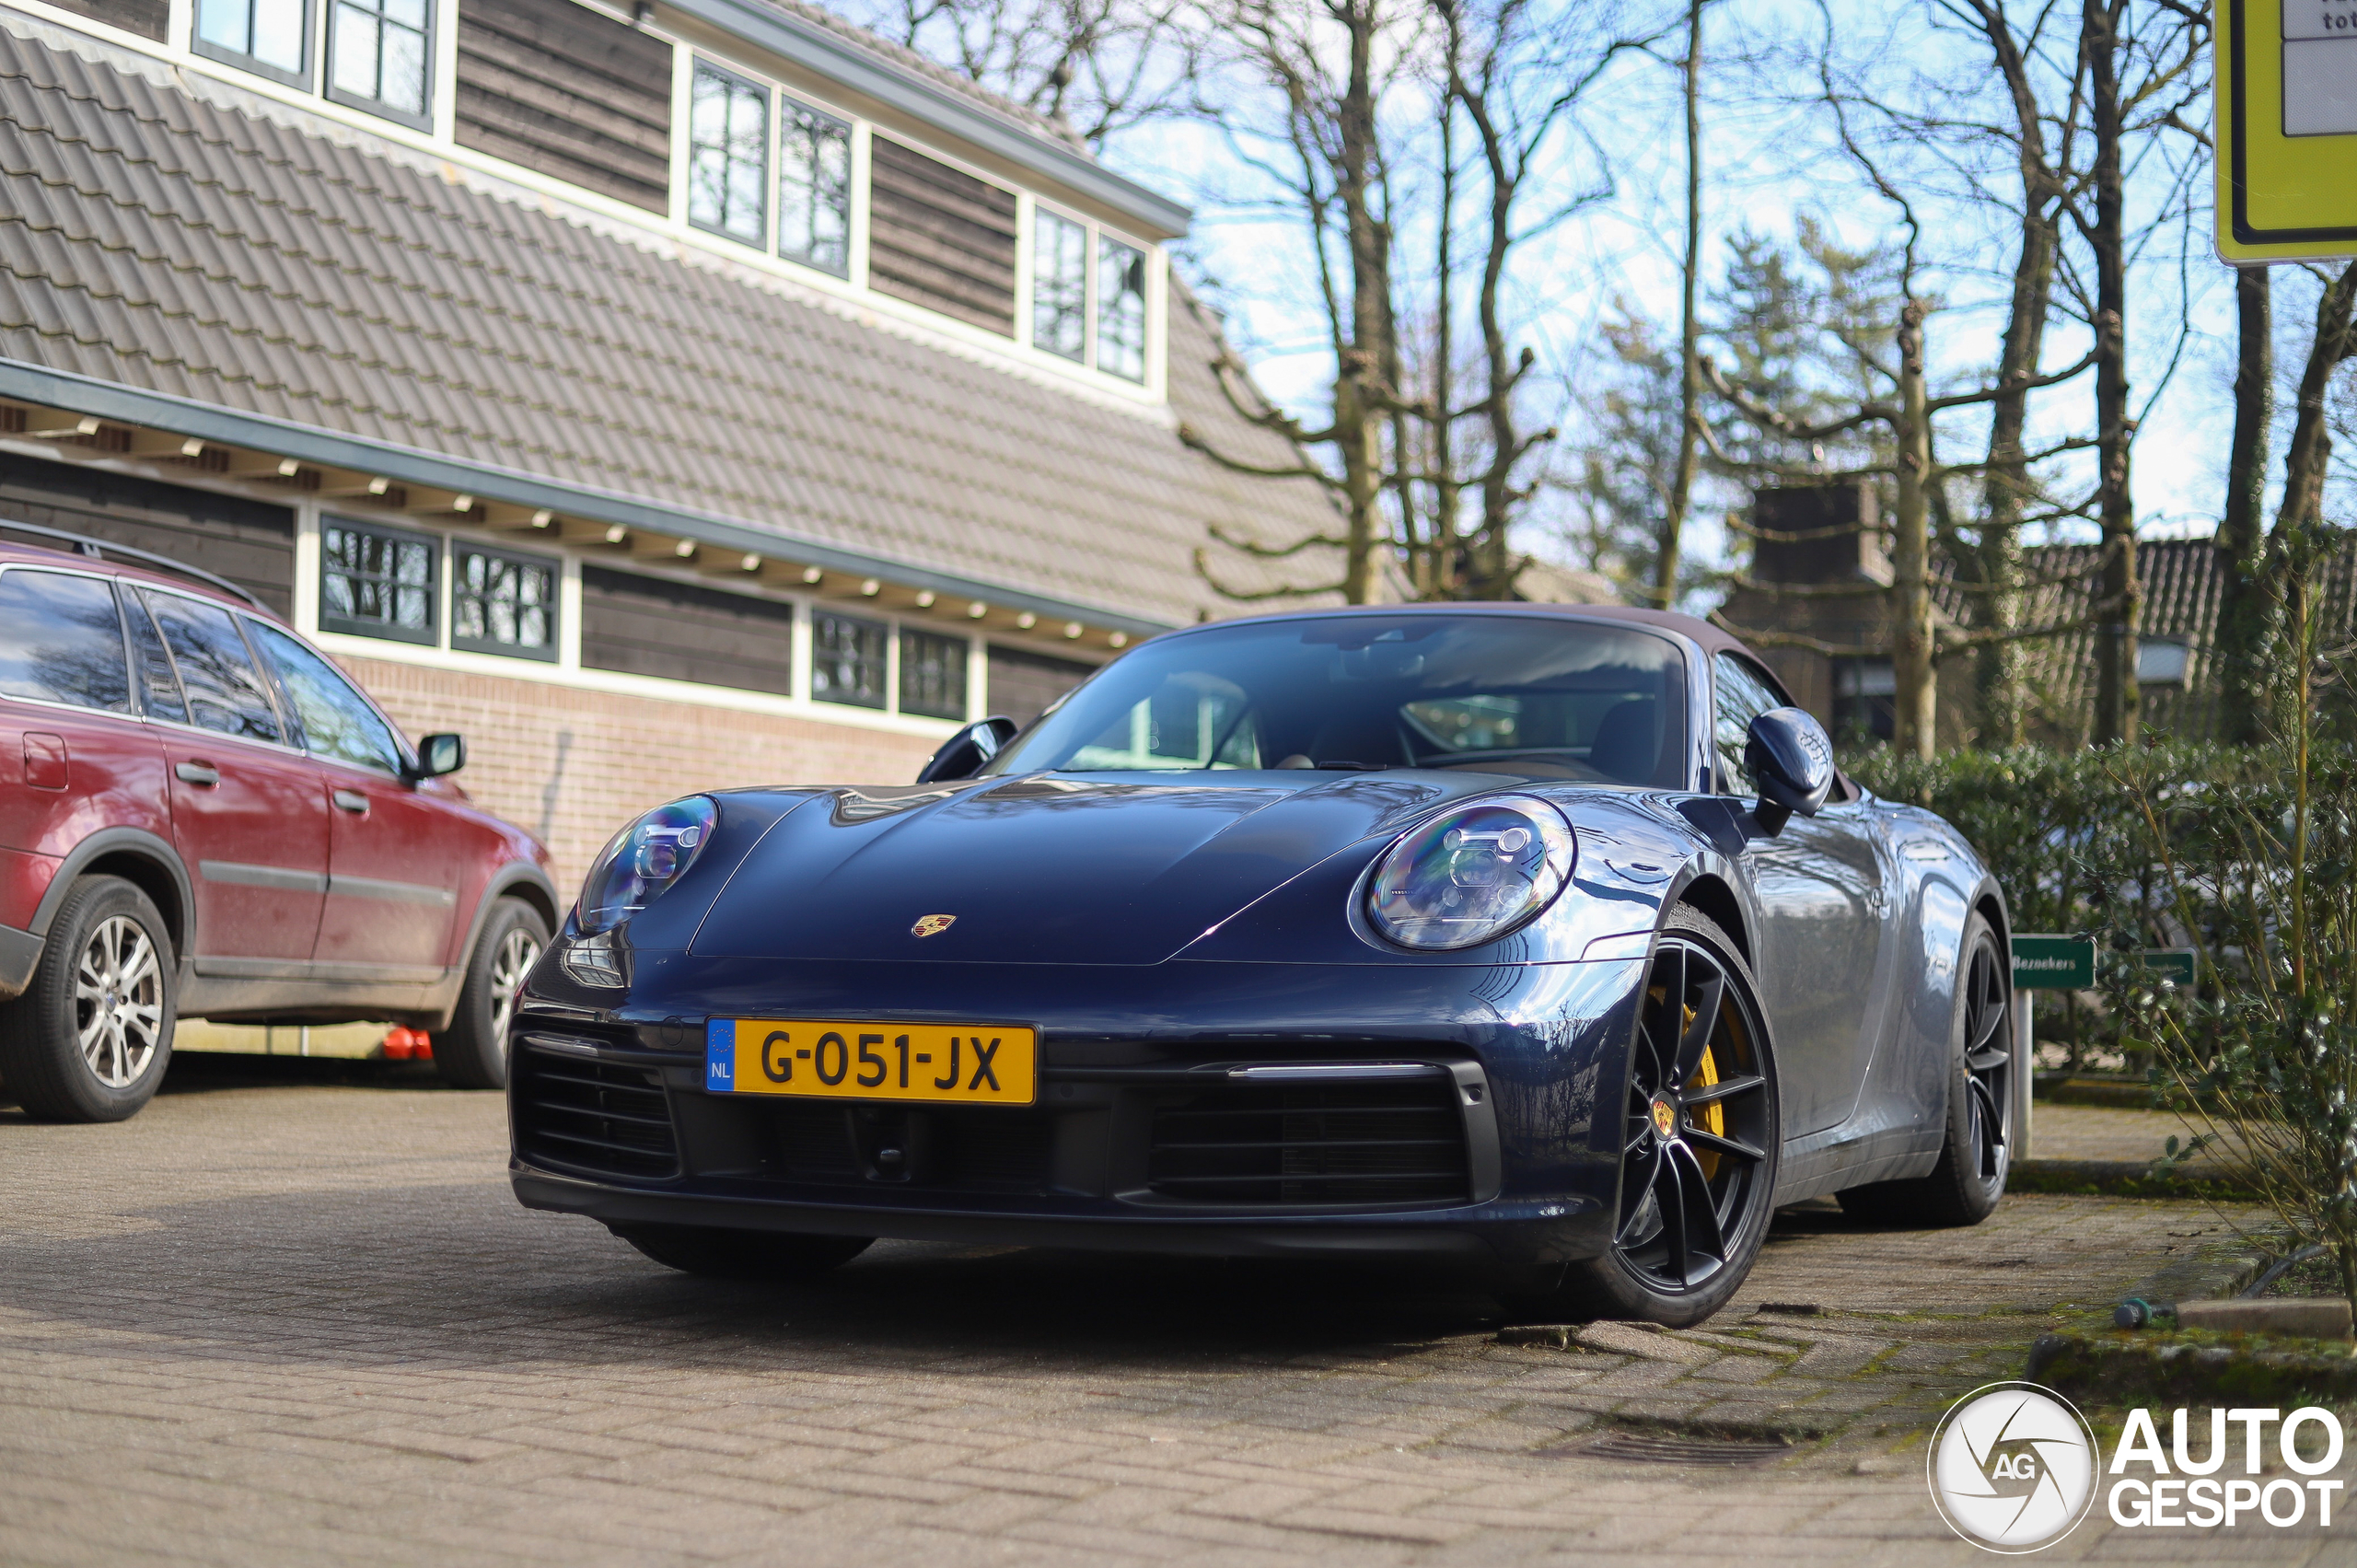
[{"x": 2024, "y": 1071}]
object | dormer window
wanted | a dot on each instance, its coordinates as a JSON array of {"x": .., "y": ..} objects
[
  {"x": 1060, "y": 285},
  {"x": 377, "y": 56},
  {"x": 813, "y": 188},
  {"x": 270, "y": 38},
  {"x": 1121, "y": 311},
  {"x": 729, "y": 136}
]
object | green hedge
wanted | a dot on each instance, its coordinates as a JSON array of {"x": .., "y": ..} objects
[{"x": 2071, "y": 845}]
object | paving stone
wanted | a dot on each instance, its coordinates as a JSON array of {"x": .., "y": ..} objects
[{"x": 294, "y": 1325}]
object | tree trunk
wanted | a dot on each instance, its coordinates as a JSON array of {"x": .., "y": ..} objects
[
  {"x": 2303, "y": 464},
  {"x": 2007, "y": 487},
  {"x": 1358, "y": 408},
  {"x": 2115, "y": 716},
  {"x": 1916, "y": 698},
  {"x": 1681, "y": 492},
  {"x": 2243, "y": 596}
]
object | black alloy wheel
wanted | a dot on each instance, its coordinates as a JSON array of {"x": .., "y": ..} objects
[
  {"x": 1988, "y": 1065},
  {"x": 1698, "y": 1126},
  {"x": 1976, "y": 1151},
  {"x": 1698, "y": 1139}
]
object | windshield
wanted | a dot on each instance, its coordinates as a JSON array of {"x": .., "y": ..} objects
[{"x": 1541, "y": 697}]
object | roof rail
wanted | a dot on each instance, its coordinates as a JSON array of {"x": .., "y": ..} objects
[{"x": 99, "y": 549}]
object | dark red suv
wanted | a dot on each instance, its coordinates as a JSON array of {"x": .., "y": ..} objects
[{"x": 201, "y": 816}]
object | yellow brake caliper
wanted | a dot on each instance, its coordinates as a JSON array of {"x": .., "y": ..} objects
[{"x": 1709, "y": 1118}]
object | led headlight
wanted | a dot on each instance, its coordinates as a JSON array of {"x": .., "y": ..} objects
[
  {"x": 1471, "y": 874},
  {"x": 639, "y": 864}
]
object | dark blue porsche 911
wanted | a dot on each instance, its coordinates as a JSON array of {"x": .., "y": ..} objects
[{"x": 1549, "y": 941}]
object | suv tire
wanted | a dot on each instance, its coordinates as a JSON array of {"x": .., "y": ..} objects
[
  {"x": 472, "y": 1052},
  {"x": 90, "y": 1037}
]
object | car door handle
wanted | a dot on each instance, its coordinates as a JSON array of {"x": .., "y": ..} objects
[
  {"x": 351, "y": 800},
  {"x": 204, "y": 773}
]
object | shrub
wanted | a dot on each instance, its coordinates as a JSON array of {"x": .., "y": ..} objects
[{"x": 2069, "y": 839}]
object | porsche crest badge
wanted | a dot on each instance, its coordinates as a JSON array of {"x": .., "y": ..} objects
[{"x": 933, "y": 924}]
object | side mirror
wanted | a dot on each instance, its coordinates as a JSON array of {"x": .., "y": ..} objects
[
  {"x": 1791, "y": 758},
  {"x": 962, "y": 755},
  {"x": 439, "y": 754}
]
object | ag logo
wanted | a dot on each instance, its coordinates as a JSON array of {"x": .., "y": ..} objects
[
  {"x": 2013, "y": 1468},
  {"x": 933, "y": 924}
]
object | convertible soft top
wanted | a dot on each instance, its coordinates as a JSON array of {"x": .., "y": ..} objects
[{"x": 1712, "y": 639}]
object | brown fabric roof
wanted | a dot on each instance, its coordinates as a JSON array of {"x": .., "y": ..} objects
[{"x": 150, "y": 238}]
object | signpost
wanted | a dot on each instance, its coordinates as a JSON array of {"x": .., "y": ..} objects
[
  {"x": 2286, "y": 75},
  {"x": 2043, "y": 962}
]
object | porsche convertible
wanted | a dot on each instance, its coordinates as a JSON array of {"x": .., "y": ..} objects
[{"x": 1549, "y": 942}]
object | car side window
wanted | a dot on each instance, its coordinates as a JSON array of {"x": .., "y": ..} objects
[
  {"x": 60, "y": 641},
  {"x": 224, "y": 691},
  {"x": 159, "y": 687},
  {"x": 337, "y": 720},
  {"x": 1744, "y": 692}
]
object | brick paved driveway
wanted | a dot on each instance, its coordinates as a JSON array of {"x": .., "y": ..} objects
[{"x": 300, "y": 1324}]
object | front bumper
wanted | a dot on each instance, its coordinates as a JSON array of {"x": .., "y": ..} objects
[{"x": 1451, "y": 1113}]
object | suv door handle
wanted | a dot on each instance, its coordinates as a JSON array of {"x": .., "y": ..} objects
[
  {"x": 204, "y": 773},
  {"x": 351, "y": 800}
]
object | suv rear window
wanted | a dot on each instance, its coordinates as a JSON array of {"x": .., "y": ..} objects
[{"x": 60, "y": 641}]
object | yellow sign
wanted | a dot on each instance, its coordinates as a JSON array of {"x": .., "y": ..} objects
[
  {"x": 2287, "y": 129},
  {"x": 838, "y": 1059}
]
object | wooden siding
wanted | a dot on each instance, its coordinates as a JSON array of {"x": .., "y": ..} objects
[
  {"x": 679, "y": 631},
  {"x": 249, "y": 542},
  {"x": 1021, "y": 684},
  {"x": 559, "y": 89},
  {"x": 146, "y": 18},
  {"x": 939, "y": 237}
]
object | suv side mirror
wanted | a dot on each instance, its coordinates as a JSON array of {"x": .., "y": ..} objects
[
  {"x": 1791, "y": 757},
  {"x": 962, "y": 755},
  {"x": 439, "y": 754}
]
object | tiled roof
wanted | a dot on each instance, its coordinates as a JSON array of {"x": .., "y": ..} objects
[
  {"x": 150, "y": 238},
  {"x": 2180, "y": 580}
]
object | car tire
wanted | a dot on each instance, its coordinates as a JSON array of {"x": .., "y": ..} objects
[
  {"x": 1975, "y": 1153},
  {"x": 1717, "y": 1171},
  {"x": 472, "y": 1052},
  {"x": 91, "y": 1036},
  {"x": 766, "y": 1257}
]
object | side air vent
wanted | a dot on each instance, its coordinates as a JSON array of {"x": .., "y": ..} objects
[
  {"x": 598, "y": 1116},
  {"x": 1282, "y": 1144}
]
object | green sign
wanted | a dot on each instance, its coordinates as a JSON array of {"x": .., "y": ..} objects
[
  {"x": 2173, "y": 964},
  {"x": 2054, "y": 963}
]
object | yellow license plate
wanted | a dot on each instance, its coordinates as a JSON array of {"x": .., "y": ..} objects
[{"x": 835, "y": 1059}]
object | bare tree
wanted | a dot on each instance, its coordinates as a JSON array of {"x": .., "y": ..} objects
[
  {"x": 2241, "y": 539},
  {"x": 1099, "y": 67},
  {"x": 1690, "y": 326},
  {"x": 2161, "y": 44},
  {"x": 1330, "y": 64},
  {"x": 1364, "y": 105}
]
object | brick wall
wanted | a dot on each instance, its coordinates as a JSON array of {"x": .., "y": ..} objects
[{"x": 572, "y": 765}]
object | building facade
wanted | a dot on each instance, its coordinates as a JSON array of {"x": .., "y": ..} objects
[
  {"x": 1817, "y": 603},
  {"x": 667, "y": 396}
]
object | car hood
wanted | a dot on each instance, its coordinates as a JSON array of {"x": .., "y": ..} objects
[{"x": 1048, "y": 868}]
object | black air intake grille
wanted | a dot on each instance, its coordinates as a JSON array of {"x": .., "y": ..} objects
[
  {"x": 1387, "y": 1143},
  {"x": 598, "y": 1116},
  {"x": 996, "y": 1150}
]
